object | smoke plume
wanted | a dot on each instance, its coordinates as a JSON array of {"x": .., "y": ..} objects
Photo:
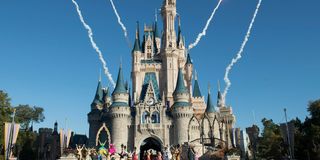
[
  {"x": 204, "y": 31},
  {"x": 94, "y": 45},
  {"x": 239, "y": 54},
  {"x": 120, "y": 23}
]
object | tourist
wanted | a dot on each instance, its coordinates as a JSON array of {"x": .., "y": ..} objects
[
  {"x": 134, "y": 154},
  {"x": 148, "y": 155},
  {"x": 159, "y": 156},
  {"x": 166, "y": 154},
  {"x": 178, "y": 152},
  {"x": 112, "y": 149}
]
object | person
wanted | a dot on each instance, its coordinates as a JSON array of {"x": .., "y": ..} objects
[
  {"x": 112, "y": 149},
  {"x": 178, "y": 152},
  {"x": 166, "y": 153},
  {"x": 134, "y": 154},
  {"x": 159, "y": 156},
  {"x": 148, "y": 155},
  {"x": 196, "y": 156}
]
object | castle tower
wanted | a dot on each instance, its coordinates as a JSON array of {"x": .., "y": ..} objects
[
  {"x": 198, "y": 102},
  {"x": 157, "y": 38},
  {"x": 136, "y": 65},
  {"x": 169, "y": 13},
  {"x": 119, "y": 113},
  {"x": 182, "y": 110},
  {"x": 94, "y": 114},
  {"x": 188, "y": 73}
]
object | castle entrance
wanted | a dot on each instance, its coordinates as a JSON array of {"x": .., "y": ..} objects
[{"x": 150, "y": 144}]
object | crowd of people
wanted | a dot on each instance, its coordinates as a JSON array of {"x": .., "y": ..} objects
[{"x": 110, "y": 153}]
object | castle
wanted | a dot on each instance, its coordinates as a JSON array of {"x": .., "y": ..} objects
[{"x": 165, "y": 106}]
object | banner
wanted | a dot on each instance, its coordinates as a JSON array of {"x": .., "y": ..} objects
[{"x": 10, "y": 137}]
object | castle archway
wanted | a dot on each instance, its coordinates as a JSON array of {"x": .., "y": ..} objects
[
  {"x": 103, "y": 136},
  {"x": 150, "y": 143}
]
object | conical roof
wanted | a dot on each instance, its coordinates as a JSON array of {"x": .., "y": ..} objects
[
  {"x": 120, "y": 86},
  {"x": 210, "y": 107},
  {"x": 180, "y": 87}
]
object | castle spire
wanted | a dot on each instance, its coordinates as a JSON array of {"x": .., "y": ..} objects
[
  {"x": 220, "y": 97},
  {"x": 169, "y": 13},
  {"x": 189, "y": 61},
  {"x": 196, "y": 88},
  {"x": 99, "y": 94},
  {"x": 120, "y": 86},
  {"x": 210, "y": 107},
  {"x": 136, "y": 47},
  {"x": 180, "y": 87}
]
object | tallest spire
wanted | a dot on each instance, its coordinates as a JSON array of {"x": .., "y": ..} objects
[{"x": 169, "y": 12}]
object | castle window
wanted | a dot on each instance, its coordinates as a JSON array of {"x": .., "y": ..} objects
[
  {"x": 155, "y": 118},
  {"x": 145, "y": 118}
]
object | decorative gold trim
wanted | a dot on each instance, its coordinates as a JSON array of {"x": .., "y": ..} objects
[{"x": 99, "y": 131}]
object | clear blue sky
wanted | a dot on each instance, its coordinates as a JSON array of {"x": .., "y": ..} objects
[{"x": 47, "y": 60}]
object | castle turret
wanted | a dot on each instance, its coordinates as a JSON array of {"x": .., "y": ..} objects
[
  {"x": 120, "y": 113},
  {"x": 220, "y": 99},
  {"x": 169, "y": 12},
  {"x": 97, "y": 102},
  {"x": 107, "y": 97},
  {"x": 189, "y": 69},
  {"x": 180, "y": 41},
  {"x": 210, "y": 106},
  {"x": 94, "y": 114},
  {"x": 182, "y": 110},
  {"x": 198, "y": 101},
  {"x": 157, "y": 38},
  {"x": 136, "y": 64}
]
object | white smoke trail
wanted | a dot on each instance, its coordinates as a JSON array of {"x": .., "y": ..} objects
[
  {"x": 94, "y": 45},
  {"x": 120, "y": 23},
  {"x": 239, "y": 54},
  {"x": 204, "y": 31}
]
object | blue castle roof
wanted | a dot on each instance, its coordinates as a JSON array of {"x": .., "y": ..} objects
[
  {"x": 120, "y": 86},
  {"x": 180, "y": 87}
]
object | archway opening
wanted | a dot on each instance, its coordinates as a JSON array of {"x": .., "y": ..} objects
[{"x": 150, "y": 144}]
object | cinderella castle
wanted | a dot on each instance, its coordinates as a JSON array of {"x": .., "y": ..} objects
[{"x": 165, "y": 106}]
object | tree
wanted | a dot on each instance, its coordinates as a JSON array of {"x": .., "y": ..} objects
[
  {"x": 311, "y": 130},
  {"x": 270, "y": 145},
  {"x": 26, "y": 114}
]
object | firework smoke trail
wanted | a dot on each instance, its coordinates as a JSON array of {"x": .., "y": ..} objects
[
  {"x": 120, "y": 23},
  {"x": 94, "y": 45},
  {"x": 204, "y": 31},
  {"x": 239, "y": 54}
]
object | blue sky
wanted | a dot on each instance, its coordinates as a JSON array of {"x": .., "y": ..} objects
[{"x": 47, "y": 60}]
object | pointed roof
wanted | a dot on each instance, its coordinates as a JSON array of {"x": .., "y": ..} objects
[
  {"x": 196, "y": 87},
  {"x": 189, "y": 61},
  {"x": 156, "y": 31},
  {"x": 210, "y": 106},
  {"x": 137, "y": 40},
  {"x": 180, "y": 87},
  {"x": 120, "y": 86},
  {"x": 180, "y": 38},
  {"x": 99, "y": 94},
  {"x": 219, "y": 98}
]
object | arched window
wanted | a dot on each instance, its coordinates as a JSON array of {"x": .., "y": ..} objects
[
  {"x": 155, "y": 118},
  {"x": 145, "y": 117}
]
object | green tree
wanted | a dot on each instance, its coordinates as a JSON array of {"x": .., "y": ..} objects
[
  {"x": 26, "y": 115},
  {"x": 270, "y": 145},
  {"x": 311, "y": 130}
]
